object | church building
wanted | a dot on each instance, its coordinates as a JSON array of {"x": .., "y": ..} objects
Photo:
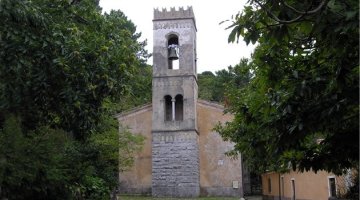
[{"x": 182, "y": 156}]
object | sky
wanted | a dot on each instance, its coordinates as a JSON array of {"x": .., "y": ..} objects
[{"x": 213, "y": 51}]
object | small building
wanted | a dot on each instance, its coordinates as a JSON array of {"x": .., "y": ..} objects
[
  {"x": 182, "y": 155},
  {"x": 303, "y": 185}
]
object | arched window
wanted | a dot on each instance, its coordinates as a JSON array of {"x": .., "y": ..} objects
[
  {"x": 168, "y": 108},
  {"x": 173, "y": 52},
  {"x": 179, "y": 107}
]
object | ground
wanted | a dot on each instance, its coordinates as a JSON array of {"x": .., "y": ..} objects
[{"x": 200, "y": 198}]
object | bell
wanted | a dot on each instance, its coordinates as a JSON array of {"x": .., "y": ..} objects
[{"x": 173, "y": 53}]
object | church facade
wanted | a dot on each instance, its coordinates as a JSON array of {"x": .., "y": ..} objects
[{"x": 182, "y": 155}]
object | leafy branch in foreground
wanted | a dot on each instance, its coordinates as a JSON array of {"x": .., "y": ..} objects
[{"x": 301, "y": 108}]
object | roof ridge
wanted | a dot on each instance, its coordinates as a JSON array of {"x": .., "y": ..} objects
[
  {"x": 212, "y": 104},
  {"x": 133, "y": 110}
]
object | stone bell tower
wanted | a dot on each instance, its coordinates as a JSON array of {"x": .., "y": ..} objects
[{"x": 175, "y": 150}]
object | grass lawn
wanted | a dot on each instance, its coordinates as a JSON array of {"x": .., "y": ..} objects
[{"x": 200, "y": 198}]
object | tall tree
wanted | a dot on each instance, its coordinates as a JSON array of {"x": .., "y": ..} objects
[
  {"x": 302, "y": 105},
  {"x": 206, "y": 82},
  {"x": 59, "y": 61},
  {"x": 213, "y": 87},
  {"x": 62, "y": 63}
]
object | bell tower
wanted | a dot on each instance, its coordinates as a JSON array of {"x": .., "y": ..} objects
[{"x": 175, "y": 150}]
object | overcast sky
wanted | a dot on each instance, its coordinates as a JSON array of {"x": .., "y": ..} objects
[{"x": 214, "y": 52}]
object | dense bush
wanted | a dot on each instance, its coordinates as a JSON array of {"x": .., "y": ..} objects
[{"x": 62, "y": 65}]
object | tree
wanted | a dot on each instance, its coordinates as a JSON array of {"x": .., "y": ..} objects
[
  {"x": 206, "y": 82},
  {"x": 301, "y": 108},
  {"x": 62, "y": 63},
  {"x": 213, "y": 87},
  {"x": 59, "y": 61},
  {"x": 139, "y": 93},
  {"x": 33, "y": 166}
]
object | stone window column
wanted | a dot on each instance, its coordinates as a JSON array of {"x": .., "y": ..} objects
[{"x": 173, "y": 108}]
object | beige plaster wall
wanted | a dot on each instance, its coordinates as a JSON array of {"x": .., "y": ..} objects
[
  {"x": 308, "y": 185},
  {"x": 217, "y": 171},
  {"x": 138, "y": 179},
  {"x": 272, "y": 190}
]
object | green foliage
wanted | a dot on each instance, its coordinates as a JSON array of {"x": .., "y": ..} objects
[
  {"x": 301, "y": 107},
  {"x": 139, "y": 93},
  {"x": 32, "y": 164},
  {"x": 130, "y": 144},
  {"x": 213, "y": 87},
  {"x": 48, "y": 164},
  {"x": 206, "y": 84},
  {"x": 58, "y": 62},
  {"x": 353, "y": 192},
  {"x": 62, "y": 66}
]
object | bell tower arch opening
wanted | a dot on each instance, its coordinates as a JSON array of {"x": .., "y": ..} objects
[
  {"x": 179, "y": 107},
  {"x": 168, "y": 108},
  {"x": 173, "y": 52}
]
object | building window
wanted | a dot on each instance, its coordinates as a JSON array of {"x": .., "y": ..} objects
[
  {"x": 173, "y": 52},
  {"x": 168, "y": 108},
  {"x": 293, "y": 189},
  {"x": 332, "y": 186},
  {"x": 269, "y": 185},
  {"x": 179, "y": 107}
]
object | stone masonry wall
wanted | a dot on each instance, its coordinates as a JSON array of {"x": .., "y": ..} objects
[{"x": 175, "y": 164}]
